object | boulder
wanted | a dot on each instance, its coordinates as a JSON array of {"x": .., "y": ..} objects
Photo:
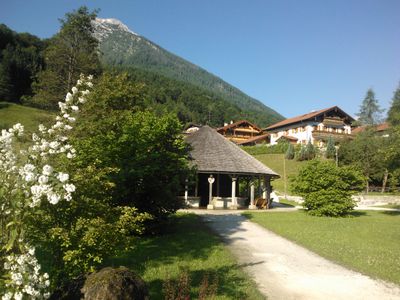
[{"x": 114, "y": 284}]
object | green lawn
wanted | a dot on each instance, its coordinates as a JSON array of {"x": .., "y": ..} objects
[
  {"x": 289, "y": 202},
  {"x": 368, "y": 242},
  {"x": 188, "y": 245},
  {"x": 11, "y": 114},
  {"x": 275, "y": 162}
]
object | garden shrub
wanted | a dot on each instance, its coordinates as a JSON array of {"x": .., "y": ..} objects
[
  {"x": 327, "y": 189},
  {"x": 289, "y": 152},
  {"x": 279, "y": 148}
]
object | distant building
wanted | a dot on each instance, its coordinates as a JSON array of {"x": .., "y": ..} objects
[
  {"x": 316, "y": 127},
  {"x": 241, "y": 131},
  {"x": 380, "y": 129}
]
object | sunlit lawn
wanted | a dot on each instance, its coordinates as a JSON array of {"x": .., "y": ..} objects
[
  {"x": 368, "y": 242},
  {"x": 11, "y": 114},
  {"x": 275, "y": 162},
  {"x": 189, "y": 245}
]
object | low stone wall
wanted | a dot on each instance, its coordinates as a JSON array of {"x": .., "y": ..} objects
[
  {"x": 369, "y": 200},
  {"x": 297, "y": 199}
]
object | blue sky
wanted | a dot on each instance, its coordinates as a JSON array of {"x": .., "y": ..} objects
[{"x": 294, "y": 56}]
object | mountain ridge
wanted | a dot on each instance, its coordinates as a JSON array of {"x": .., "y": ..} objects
[{"x": 122, "y": 47}]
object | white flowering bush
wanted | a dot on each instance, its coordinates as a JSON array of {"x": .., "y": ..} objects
[
  {"x": 24, "y": 276},
  {"x": 27, "y": 178}
]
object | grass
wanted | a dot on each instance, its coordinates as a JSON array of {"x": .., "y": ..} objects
[
  {"x": 188, "y": 245},
  {"x": 368, "y": 242},
  {"x": 11, "y": 114},
  {"x": 275, "y": 162},
  {"x": 289, "y": 202}
]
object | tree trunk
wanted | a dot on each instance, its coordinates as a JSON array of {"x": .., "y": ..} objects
[{"x": 385, "y": 178}]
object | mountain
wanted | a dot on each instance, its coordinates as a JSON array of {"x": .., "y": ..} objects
[{"x": 122, "y": 47}]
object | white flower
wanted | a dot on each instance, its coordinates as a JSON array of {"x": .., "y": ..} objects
[
  {"x": 59, "y": 124},
  {"x": 70, "y": 188},
  {"x": 43, "y": 179},
  {"x": 54, "y": 145},
  {"x": 74, "y": 90},
  {"x": 53, "y": 198},
  {"x": 74, "y": 108},
  {"x": 62, "y": 107},
  {"x": 42, "y": 128},
  {"x": 18, "y": 296},
  {"x": 62, "y": 177},
  {"x": 29, "y": 167},
  {"x": 69, "y": 98},
  {"x": 81, "y": 100},
  {"x": 29, "y": 177},
  {"x": 31, "y": 251},
  {"x": 7, "y": 296},
  {"x": 47, "y": 169}
]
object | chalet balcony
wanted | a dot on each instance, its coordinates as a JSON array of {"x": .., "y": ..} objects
[{"x": 324, "y": 135}]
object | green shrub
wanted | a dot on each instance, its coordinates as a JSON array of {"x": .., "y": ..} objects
[
  {"x": 289, "y": 152},
  {"x": 330, "y": 148},
  {"x": 327, "y": 189},
  {"x": 279, "y": 148}
]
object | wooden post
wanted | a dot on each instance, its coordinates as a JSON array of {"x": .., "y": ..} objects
[{"x": 268, "y": 189}]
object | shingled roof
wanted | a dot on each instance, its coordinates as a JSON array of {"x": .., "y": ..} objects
[
  {"x": 213, "y": 153},
  {"x": 307, "y": 117},
  {"x": 237, "y": 123}
]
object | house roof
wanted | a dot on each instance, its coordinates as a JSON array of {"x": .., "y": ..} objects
[
  {"x": 378, "y": 128},
  {"x": 307, "y": 117},
  {"x": 213, "y": 153},
  {"x": 253, "y": 139},
  {"x": 226, "y": 127}
]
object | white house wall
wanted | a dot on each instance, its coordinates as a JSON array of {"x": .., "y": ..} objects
[{"x": 307, "y": 134}]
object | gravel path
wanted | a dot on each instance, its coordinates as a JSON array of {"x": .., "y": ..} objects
[{"x": 284, "y": 270}]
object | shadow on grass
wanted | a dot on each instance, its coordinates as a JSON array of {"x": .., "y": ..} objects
[
  {"x": 390, "y": 212},
  {"x": 188, "y": 244},
  {"x": 358, "y": 213},
  {"x": 4, "y": 105}
]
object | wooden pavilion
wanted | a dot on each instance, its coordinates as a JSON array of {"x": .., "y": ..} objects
[{"x": 220, "y": 165}]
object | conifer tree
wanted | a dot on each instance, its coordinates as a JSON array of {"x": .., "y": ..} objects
[
  {"x": 330, "y": 148},
  {"x": 310, "y": 151},
  {"x": 394, "y": 111},
  {"x": 370, "y": 112},
  {"x": 289, "y": 152},
  {"x": 301, "y": 155},
  {"x": 71, "y": 52}
]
